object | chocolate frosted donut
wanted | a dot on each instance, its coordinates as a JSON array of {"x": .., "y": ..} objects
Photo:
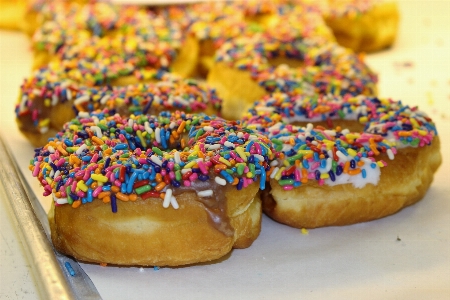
[{"x": 169, "y": 190}]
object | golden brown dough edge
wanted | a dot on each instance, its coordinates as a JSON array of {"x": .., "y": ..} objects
[
  {"x": 403, "y": 182},
  {"x": 372, "y": 31},
  {"x": 144, "y": 233}
]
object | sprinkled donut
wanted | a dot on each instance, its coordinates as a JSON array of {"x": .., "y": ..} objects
[
  {"x": 46, "y": 103},
  {"x": 326, "y": 177},
  {"x": 168, "y": 190},
  {"x": 363, "y": 25}
]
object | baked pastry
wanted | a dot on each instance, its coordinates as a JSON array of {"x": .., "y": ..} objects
[
  {"x": 164, "y": 190},
  {"x": 340, "y": 176}
]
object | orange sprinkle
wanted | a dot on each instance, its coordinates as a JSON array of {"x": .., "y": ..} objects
[
  {"x": 374, "y": 149},
  {"x": 308, "y": 156},
  {"x": 58, "y": 195},
  {"x": 200, "y": 154},
  {"x": 346, "y": 167},
  {"x": 115, "y": 189},
  {"x": 360, "y": 163},
  {"x": 181, "y": 127},
  {"x": 107, "y": 151},
  {"x": 122, "y": 197},
  {"x": 304, "y": 176},
  {"x": 172, "y": 139},
  {"x": 97, "y": 140},
  {"x": 76, "y": 203},
  {"x": 103, "y": 194},
  {"x": 132, "y": 197},
  {"x": 354, "y": 171},
  {"x": 162, "y": 195},
  {"x": 175, "y": 134},
  {"x": 235, "y": 181},
  {"x": 160, "y": 186},
  {"x": 106, "y": 199},
  {"x": 63, "y": 151},
  {"x": 94, "y": 185},
  {"x": 183, "y": 143},
  {"x": 103, "y": 264},
  {"x": 158, "y": 177},
  {"x": 404, "y": 133}
]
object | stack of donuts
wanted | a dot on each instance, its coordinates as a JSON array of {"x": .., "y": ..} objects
[{"x": 164, "y": 132}]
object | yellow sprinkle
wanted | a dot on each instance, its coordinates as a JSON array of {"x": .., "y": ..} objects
[
  {"x": 249, "y": 175},
  {"x": 304, "y": 152},
  {"x": 352, "y": 152},
  {"x": 305, "y": 231},
  {"x": 190, "y": 164},
  {"x": 240, "y": 151},
  {"x": 82, "y": 186},
  {"x": 324, "y": 176},
  {"x": 98, "y": 177},
  {"x": 73, "y": 127},
  {"x": 224, "y": 161},
  {"x": 380, "y": 164},
  {"x": 47, "y": 102},
  {"x": 49, "y": 180},
  {"x": 363, "y": 119},
  {"x": 422, "y": 132},
  {"x": 278, "y": 175},
  {"x": 44, "y": 123}
]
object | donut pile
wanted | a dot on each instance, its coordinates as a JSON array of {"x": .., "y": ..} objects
[{"x": 164, "y": 132}]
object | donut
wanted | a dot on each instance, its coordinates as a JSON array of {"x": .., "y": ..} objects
[
  {"x": 46, "y": 102},
  {"x": 243, "y": 72},
  {"x": 363, "y": 25},
  {"x": 11, "y": 14},
  {"x": 328, "y": 177},
  {"x": 93, "y": 36},
  {"x": 164, "y": 190}
]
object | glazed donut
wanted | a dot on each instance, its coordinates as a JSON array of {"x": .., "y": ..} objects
[
  {"x": 47, "y": 103},
  {"x": 243, "y": 72},
  {"x": 168, "y": 190},
  {"x": 363, "y": 25},
  {"x": 328, "y": 177}
]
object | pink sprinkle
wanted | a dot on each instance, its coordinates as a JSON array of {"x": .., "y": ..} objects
[
  {"x": 117, "y": 183},
  {"x": 57, "y": 179},
  {"x": 36, "y": 169},
  {"x": 193, "y": 177},
  {"x": 94, "y": 158},
  {"x": 311, "y": 175},
  {"x": 321, "y": 181},
  {"x": 74, "y": 187},
  {"x": 202, "y": 167},
  {"x": 63, "y": 194},
  {"x": 163, "y": 172},
  {"x": 297, "y": 175},
  {"x": 187, "y": 183},
  {"x": 315, "y": 165},
  {"x": 97, "y": 191},
  {"x": 288, "y": 187},
  {"x": 81, "y": 194},
  {"x": 112, "y": 177},
  {"x": 46, "y": 193},
  {"x": 172, "y": 175}
]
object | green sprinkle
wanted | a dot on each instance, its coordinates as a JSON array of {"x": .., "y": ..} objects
[
  {"x": 143, "y": 189},
  {"x": 286, "y": 181},
  {"x": 157, "y": 150}
]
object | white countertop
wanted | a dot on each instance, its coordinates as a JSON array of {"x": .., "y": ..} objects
[{"x": 404, "y": 256}]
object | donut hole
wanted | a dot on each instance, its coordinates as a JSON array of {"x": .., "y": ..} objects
[{"x": 289, "y": 62}]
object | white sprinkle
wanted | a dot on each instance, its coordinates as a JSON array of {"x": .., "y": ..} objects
[
  {"x": 229, "y": 144},
  {"x": 158, "y": 135},
  {"x": 147, "y": 127},
  {"x": 220, "y": 181},
  {"x": 104, "y": 99},
  {"x": 167, "y": 197},
  {"x": 212, "y": 147},
  {"x": 208, "y": 128},
  {"x": 69, "y": 95},
  {"x": 51, "y": 149},
  {"x": 177, "y": 157},
  {"x": 390, "y": 154},
  {"x": 180, "y": 100},
  {"x": 274, "y": 172},
  {"x": 205, "y": 193},
  {"x": 130, "y": 122},
  {"x": 95, "y": 119},
  {"x": 252, "y": 137},
  {"x": 98, "y": 131},
  {"x": 59, "y": 200},
  {"x": 172, "y": 125},
  {"x": 22, "y": 103},
  {"x": 81, "y": 100},
  {"x": 330, "y": 132},
  {"x": 57, "y": 174},
  {"x": 54, "y": 100},
  {"x": 345, "y": 131},
  {"x": 174, "y": 203},
  {"x": 43, "y": 130},
  {"x": 184, "y": 171},
  {"x": 274, "y": 163},
  {"x": 156, "y": 160},
  {"x": 240, "y": 134},
  {"x": 81, "y": 149},
  {"x": 259, "y": 157},
  {"x": 341, "y": 155},
  {"x": 83, "y": 114}
]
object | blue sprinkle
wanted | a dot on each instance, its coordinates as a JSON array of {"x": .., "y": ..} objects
[
  {"x": 373, "y": 165},
  {"x": 69, "y": 268},
  {"x": 364, "y": 173},
  {"x": 121, "y": 147},
  {"x": 227, "y": 176},
  {"x": 113, "y": 203}
]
